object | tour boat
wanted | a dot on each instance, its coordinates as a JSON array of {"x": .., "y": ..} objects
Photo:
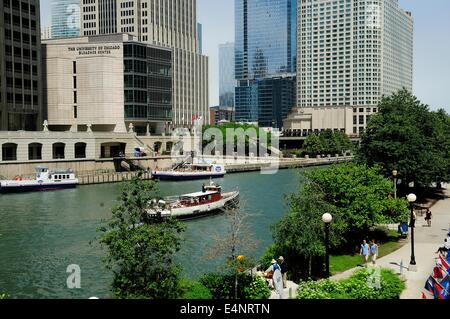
[
  {"x": 191, "y": 172},
  {"x": 209, "y": 201},
  {"x": 45, "y": 180}
]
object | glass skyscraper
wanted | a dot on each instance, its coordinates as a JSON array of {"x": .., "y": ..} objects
[
  {"x": 265, "y": 52},
  {"x": 226, "y": 74},
  {"x": 65, "y": 19}
]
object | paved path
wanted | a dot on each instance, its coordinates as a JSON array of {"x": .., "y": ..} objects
[{"x": 427, "y": 241}]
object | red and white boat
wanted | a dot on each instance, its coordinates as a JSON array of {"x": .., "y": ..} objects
[{"x": 209, "y": 201}]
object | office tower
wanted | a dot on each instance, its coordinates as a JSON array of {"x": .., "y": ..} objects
[
  {"x": 20, "y": 67},
  {"x": 227, "y": 80},
  {"x": 65, "y": 18},
  {"x": 265, "y": 52},
  {"x": 200, "y": 38},
  {"x": 46, "y": 32},
  {"x": 169, "y": 23},
  {"x": 351, "y": 53}
]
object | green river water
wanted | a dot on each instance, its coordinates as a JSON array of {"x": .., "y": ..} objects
[{"x": 43, "y": 233}]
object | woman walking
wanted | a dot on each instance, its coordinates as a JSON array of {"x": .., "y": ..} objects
[{"x": 428, "y": 216}]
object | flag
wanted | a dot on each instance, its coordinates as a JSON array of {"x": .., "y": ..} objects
[
  {"x": 437, "y": 272},
  {"x": 438, "y": 290},
  {"x": 424, "y": 296},
  {"x": 429, "y": 285},
  {"x": 445, "y": 263},
  {"x": 445, "y": 283}
]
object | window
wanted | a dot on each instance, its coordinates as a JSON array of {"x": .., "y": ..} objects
[
  {"x": 75, "y": 97},
  {"x": 74, "y": 82},
  {"x": 75, "y": 112},
  {"x": 74, "y": 66}
]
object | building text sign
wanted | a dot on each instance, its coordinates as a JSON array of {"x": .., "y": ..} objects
[{"x": 95, "y": 49}]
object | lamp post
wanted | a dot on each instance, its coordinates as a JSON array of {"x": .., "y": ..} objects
[
  {"x": 394, "y": 174},
  {"x": 327, "y": 219},
  {"x": 411, "y": 199}
]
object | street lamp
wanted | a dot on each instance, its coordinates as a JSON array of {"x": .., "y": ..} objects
[
  {"x": 412, "y": 199},
  {"x": 327, "y": 219},
  {"x": 394, "y": 174}
]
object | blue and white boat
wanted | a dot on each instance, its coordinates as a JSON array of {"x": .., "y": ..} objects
[
  {"x": 46, "y": 180},
  {"x": 191, "y": 172}
]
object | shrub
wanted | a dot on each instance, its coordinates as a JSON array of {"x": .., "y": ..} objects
[
  {"x": 364, "y": 284},
  {"x": 221, "y": 286},
  {"x": 195, "y": 290},
  {"x": 257, "y": 289},
  {"x": 3, "y": 296}
]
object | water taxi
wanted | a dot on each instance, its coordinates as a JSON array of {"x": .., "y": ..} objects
[
  {"x": 45, "y": 180},
  {"x": 191, "y": 172},
  {"x": 211, "y": 200}
]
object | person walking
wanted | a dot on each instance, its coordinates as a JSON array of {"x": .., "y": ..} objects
[
  {"x": 283, "y": 270},
  {"x": 374, "y": 252},
  {"x": 364, "y": 251},
  {"x": 428, "y": 216},
  {"x": 278, "y": 280}
]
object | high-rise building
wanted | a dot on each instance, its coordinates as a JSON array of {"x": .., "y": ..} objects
[
  {"x": 200, "y": 38},
  {"x": 65, "y": 18},
  {"x": 265, "y": 52},
  {"x": 169, "y": 23},
  {"x": 20, "y": 67},
  {"x": 351, "y": 53},
  {"x": 46, "y": 32},
  {"x": 227, "y": 81}
]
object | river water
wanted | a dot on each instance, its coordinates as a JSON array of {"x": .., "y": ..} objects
[{"x": 41, "y": 234}]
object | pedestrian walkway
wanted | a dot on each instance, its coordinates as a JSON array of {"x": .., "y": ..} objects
[
  {"x": 427, "y": 241},
  {"x": 290, "y": 292}
]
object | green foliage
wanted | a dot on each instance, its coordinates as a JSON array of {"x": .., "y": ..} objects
[
  {"x": 327, "y": 142},
  {"x": 406, "y": 136},
  {"x": 140, "y": 249},
  {"x": 221, "y": 285},
  {"x": 3, "y": 296},
  {"x": 258, "y": 289},
  {"x": 235, "y": 128},
  {"x": 195, "y": 290},
  {"x": 271, "y": 252},
  {"x": 364, "y": 284},
  {"x": 358, "y": 198}
]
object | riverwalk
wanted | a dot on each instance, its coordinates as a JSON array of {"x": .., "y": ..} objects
[{"x": 426, "y": 243}]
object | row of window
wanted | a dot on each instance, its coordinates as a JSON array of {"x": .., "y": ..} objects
[
  {"x": 9, "y": 151},
  {"x": 22, "y": 6},
  {"x": 26, "y": 23}
]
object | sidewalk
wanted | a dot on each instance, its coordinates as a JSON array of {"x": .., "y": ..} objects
[{"x": 427, "y": 241}]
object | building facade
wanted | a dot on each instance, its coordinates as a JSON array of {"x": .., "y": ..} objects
[
  {"x": 265, "y": 48},
  {"x": 21, "y": 105},
  {"x": 65, "y": 19},
  {"x": 221, "y": 114},
  {"x": 351, "y": 53},
  {"x": 109, "y": 83},
  {"x": 46, "y": 32},
  {"x": 172, "y": 24},
  {"x": 227, "y": 81}
]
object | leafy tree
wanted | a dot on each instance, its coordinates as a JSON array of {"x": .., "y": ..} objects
[
  {"x": 407, "y": 137},
  {"x": 327, "y": 142},
  {"x": 358, "y": 198},
  {"x": 140, "y": 249}
]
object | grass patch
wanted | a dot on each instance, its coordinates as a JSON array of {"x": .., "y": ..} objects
[{"x": 339, "y": 264}]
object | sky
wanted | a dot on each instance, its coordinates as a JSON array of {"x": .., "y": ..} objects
[{"x": 431, "y": 44}]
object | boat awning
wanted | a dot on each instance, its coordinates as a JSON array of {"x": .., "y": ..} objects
[{"x": 199, "y": 194}]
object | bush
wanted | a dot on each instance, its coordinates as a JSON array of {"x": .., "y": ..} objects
[
  {"x": 3, "y": 296},
  {"x": 221, "y": 286},
  {"x": 364, "y": 284},
  {"x": 195, "y": 290},
  {"x": 271, "y": 252},
  {"x": 257, "y": 289}
]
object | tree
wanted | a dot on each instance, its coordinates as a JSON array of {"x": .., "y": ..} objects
[
  {"x": 407, "y": 137},
  {"x": 140, "y": 249},
  {"x": 358, "y": 198},
  {"x": 235, "y": 245},
  {"x": 327, "y": 142}
]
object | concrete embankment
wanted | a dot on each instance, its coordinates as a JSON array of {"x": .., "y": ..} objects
[{"x": 284, "y": 164}]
